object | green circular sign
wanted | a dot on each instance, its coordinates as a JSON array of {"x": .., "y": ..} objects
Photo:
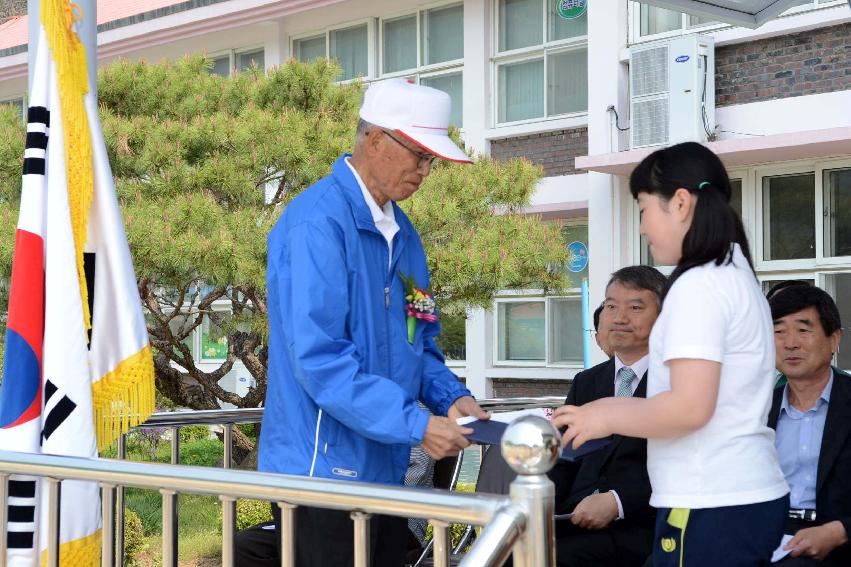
[{"x": 571, "y": 9}]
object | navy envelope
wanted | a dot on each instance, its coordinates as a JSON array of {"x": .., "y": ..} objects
[{"x": 489, "y": 432}]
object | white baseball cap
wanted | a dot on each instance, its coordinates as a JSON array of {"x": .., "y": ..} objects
[{"x": 418, "y": 113}]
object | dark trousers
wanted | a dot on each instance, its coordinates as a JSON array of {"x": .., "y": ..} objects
[
  {"x": 578, "y": 547},
  {"x": 324, "y": 538},
  {"x": 733, "y": 536}
]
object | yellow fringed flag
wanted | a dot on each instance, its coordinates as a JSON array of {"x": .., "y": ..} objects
[{"x": 78, "y": 369}]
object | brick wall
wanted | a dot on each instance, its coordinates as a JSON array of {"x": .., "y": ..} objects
[
  {"x": 811, "y": 62},
  {"x": 514, "y": 388},
  {"x": 555, "y": 151}
]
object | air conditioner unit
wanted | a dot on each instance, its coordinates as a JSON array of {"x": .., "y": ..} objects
[{"x": 672, "y": 91}]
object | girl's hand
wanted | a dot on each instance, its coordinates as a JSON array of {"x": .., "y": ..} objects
[{"x": 583, "y": 423}]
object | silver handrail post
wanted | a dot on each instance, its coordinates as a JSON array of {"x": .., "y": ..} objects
[
  {"x": 531, "y": 446},
  {"x": 119, "y": 507},
  {"x": 53, "y": 495},
  {"x": 228, "y": 525},
  {"x": 4, "y": 506},
  {"x": 286, "y": 532},
  {"x": 228, "y": 439},
  {"x": 169, "y": 528},
  {"x": 107, "y": 554},
  {"x": 440, "y": 531},
  {"x": 361, "y": 538}
]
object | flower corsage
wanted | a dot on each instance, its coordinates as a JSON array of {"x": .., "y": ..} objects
[{"x": 420, "y": 305}]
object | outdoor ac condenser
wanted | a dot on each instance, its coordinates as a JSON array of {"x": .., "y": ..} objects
[{"x": 672, "y": 91}]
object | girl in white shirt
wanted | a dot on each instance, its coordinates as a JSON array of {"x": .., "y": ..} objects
[{"x": 720, "y": 493}]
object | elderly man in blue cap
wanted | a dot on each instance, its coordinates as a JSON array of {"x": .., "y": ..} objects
[{"x": 351, "y": 351}]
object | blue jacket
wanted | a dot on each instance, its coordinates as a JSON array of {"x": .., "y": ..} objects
[{"x": 343, "y": 379}]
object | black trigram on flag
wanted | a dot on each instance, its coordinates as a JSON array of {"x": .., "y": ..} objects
[
  {"x": 56, "y": 414},
  {"x": 38, "y": 125},
  {"x": 21, "y": 513}
]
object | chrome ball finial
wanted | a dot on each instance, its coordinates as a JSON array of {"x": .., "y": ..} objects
[{"x": 531, "y": 445}]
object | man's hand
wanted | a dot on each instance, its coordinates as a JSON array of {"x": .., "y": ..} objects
[
  {"x": 817, "y": 542},
  {"x": 466, "y": 406},
  {"x": 443, "y": 437},
  {"x": 596, "y": 511}
]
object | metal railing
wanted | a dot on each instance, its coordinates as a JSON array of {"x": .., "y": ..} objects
[{"x": 524, "y": 517}]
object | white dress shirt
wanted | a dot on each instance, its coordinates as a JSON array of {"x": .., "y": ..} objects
[
  {"x": 640, "y": 368},
  {"x": 384, "y": 217}
]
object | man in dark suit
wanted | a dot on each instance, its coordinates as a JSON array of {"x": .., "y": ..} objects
[
  {"x": 812, "y": 417},
  {"x": 607, "y": 493}
]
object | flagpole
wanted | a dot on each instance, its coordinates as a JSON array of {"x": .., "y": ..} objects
[
  {"x": 86, "y": 30},
  {"x": 33, "y": 24}
]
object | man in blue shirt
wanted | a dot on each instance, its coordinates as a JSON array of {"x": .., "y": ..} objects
[
  {"x": 812, "y": 417},
  {"x": 347, "y": 364}
]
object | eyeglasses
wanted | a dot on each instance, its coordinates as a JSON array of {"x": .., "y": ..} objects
[{"x": 422, "y": 158}]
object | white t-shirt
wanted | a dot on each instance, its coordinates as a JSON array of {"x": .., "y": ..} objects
[{"x": 717, "y": 313}]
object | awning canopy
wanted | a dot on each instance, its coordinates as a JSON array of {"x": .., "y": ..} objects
[
  {"x": 746, "y": 13},
  {"x": 740, "y": 152}
]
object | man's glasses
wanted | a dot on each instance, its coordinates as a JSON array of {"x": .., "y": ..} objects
[{"x": 422, "y": 158}]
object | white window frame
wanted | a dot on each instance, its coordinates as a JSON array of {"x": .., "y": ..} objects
[
  {"x": 432, "y": 69},
  {"x": 372, "y": 45},
  {"x": 531, "y": 296},
  {"x": 542, "y": 51},
  {"x": 820, "y": 261},
  {"x": 420, "y": 71},
  {"x": 634, "y": 12},
  {"x": 232, "y": 54}
]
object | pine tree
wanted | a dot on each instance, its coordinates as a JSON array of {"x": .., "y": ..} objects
[{"x": 204, "y": 165}]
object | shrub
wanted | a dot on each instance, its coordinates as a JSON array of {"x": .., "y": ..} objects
[
  {"x": 134, "y": 536},
  {"x": 250, "y": 513},
  {"x": 202, "y": 453},
  {"x": 194, "y": 433}
]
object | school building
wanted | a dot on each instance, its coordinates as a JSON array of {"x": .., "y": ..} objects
[{"x": 586, "y": 89}]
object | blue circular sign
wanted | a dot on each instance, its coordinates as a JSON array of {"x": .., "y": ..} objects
[{"x": 577, "y": 256}]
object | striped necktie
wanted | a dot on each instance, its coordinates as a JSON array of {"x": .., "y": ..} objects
[{"x": 625, "y": 377}]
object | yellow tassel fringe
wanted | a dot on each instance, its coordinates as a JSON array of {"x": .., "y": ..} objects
[
  {"x": 58, "y": 17},
  {"x": 124, "y": 398},
  {"x": 83, "y": 552}
]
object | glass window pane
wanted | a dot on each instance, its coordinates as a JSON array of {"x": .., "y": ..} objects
[
  {"x": 400, "y": 44},
  {"x": 567, "y": 78},
  {"x": 214, "y": 343},
  {"x": 837, "y": 223},
  {"x": 245, "y": 60},
  {"x": 694, "y": 21},
  {"x": 521, "y": 90},
  {"x": 453, "y": 85},
  {"x": 221, "y": 66},
  {"x": 521, "y": 333},
  {"x": 350, "y": 47},
  {"x": 443, "y": 34},
  {"x": 736, "y": 195},
  {"x": 840, "y": 284},
  {"x": 659, "y": 20},
  {"x": 310, "y": 49},
  {"x": 453, "y": 337},
  {"x": 179, "y": 325},
  {"x": 768, "y": 284},
  {"x": 561, "y": 28},
  {"x": 788, "y": 216},
  {"x": 521, "y": 24},
  {"x": 566, "y": 330}
]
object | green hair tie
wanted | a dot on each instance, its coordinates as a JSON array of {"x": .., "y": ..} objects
[{"x": 703, "y": 183}]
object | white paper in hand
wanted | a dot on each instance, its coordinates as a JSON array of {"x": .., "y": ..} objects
[{"x": 780, "y": 553}]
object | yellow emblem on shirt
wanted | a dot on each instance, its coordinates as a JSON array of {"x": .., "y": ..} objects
[{"x": 669, "y": 544}]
